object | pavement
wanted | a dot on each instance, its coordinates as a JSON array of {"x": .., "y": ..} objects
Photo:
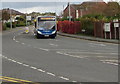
[
  {"x": 61, "y": 59},
  {"x": 90, "y": 38}
]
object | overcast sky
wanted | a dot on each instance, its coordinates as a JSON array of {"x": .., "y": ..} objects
[{"x": 40, "y": 6}]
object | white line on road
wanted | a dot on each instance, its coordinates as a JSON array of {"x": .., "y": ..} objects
[
  {"x": 74, "y": 81},
  {"x": 50, "y": 74},
  {"x": 53, "y": 44},
  {"x": 14, "y": 38},
  {"x": 111, "y": 63},
  {"x": 19, "y": 63},
  {"x": 64, "y": 78},
  {"x": 61, "y": 77},
  {"x": 33, "y": 67},
  {"x": 13, "y": 60},
  {"x": 9, "y": 59},
  {"x": 5, "y": 57},
  {"x": 41, "y": 70},
  {"x": 23, "y": 43},
  {"x": 25, "y": 65},
  {"x": 95, "y": 53},
  {"x": 43, "y": 49},
  {"x": 97, "y": 44},
  {"x": 71, "y": 55},
  {"x": 17, "y": 41}
]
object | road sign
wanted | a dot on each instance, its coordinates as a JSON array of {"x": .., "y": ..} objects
[
  {"x": 116, "y": 24},
  {"x": 28, "y": 18},
  {"x": 107, "y": 27}
]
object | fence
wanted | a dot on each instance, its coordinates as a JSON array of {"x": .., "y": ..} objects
[
  {"x": 69, "y": 27},
  {"x": 112, "y": 34}
]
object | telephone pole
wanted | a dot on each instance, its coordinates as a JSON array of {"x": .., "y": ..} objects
[
  {"x": 10, "y": 19},
  {"x": 69, "y": 11}
]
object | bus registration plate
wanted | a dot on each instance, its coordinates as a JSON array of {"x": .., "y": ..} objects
[{"x": 46, "y": 35}]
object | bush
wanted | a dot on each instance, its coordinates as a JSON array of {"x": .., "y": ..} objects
[
  {"x": 21, "y": 23},
  {"x": 88, "y": 26},
  {"x": 9, "y": 24},
  {"x": 4, "y": 27}
]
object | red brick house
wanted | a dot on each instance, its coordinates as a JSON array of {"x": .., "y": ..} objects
[{"x": 78, "y": 10}]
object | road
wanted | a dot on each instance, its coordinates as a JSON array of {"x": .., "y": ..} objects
[{"x": 62, "y": 59}]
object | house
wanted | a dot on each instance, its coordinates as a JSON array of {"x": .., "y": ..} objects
[
  {"x": 10, "y": 13},
  {"x": 78, "y": 10}
]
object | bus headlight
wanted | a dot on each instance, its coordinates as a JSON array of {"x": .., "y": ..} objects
[
  {"x": 53, "y": 32},
  {"x": 39, "y": 32}
]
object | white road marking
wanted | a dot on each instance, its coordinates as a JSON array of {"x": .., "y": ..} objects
[
  {"x": 64, "y": 78},
  {"x": 43, "y": 49},
  {"x": 13, "y": 60},
  {"x": 5, "y": 57},
  {"x": 19, "y": 63},
  {"x": 14, "y": 38},
  {"x": 74, "y": 81},
  {"x": 33, "y": 67},
  {"x": 50, "y": 74},
  {"x": 9, "y": 59},
  {"x": 16, "y": 41},
  {"x": 53, "y": 44},
  {"x": 25, "y": 65},
  {"x": 113, "y": 62},
  {"x": 97, "y": 44},
  {"x": 95, "y": 53},
  {"x": 23, "y": 43},
  {"x": 41, "y": 70},
  {"x": 71, "y": 55}
]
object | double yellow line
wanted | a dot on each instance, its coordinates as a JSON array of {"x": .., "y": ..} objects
[{"x": 9, "y": 79}]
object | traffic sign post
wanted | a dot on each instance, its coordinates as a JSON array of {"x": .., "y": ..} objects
[
  {"x": 116, "y": 25},
  {"x": 28, "y": 18},
  {"x": 107, "y": 29}
]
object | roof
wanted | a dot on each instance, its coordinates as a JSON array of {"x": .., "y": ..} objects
[{"x": 87, "y": 5}]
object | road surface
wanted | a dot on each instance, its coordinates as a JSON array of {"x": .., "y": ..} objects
[{"x": 62, "y": 59}]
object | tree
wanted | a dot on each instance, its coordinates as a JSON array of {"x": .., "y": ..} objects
[{"x": 5, "y": 15}]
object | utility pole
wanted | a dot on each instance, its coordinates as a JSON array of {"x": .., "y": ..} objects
[
  {"x": 26, "y": 18},
  {"x": 10, "y": 18},
  {"x": 69, "y": 12},
  {"x": 63, "y": 11}
]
